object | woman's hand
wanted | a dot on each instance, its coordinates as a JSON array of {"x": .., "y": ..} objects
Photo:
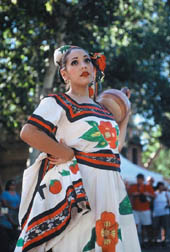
[{"x": 67, "y": 155}]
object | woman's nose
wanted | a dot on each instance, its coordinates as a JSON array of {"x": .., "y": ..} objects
[{"x": 83, "y": 65}]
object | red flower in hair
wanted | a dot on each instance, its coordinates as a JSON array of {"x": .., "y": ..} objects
[{"x": 100, "y": 60}]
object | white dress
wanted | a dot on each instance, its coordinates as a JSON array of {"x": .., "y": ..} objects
[{"x": 81, "y": 205}]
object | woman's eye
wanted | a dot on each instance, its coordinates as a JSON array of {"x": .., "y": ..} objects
[
  {"x": 87, "y": 60},
  {"x": 74, "y": 62}
]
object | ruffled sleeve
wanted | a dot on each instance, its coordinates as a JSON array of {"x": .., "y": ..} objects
[{"x": 46, "y": 116}]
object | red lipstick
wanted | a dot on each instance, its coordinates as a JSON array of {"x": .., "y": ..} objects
[{"x": 85, "y": 74}]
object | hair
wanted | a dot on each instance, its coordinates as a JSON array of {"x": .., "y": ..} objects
[
  {"x": 159, "y": 184},
  {"x": 140, "y": 176},
  {"x": 9, "y": 183}
]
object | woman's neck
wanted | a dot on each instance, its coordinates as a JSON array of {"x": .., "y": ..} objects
[
  {"x": 80, "y": 97},
  {"x": 79, "y": 92}
]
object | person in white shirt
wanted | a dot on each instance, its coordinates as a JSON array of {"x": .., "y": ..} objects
[{"x": 161, "y": 212}]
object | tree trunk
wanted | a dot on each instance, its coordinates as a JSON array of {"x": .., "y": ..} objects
[
  {"x": 149, "y": 163},
  {"x": 49, "y": 78}
]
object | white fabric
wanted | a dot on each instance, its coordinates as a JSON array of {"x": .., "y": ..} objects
[
  {"x": 160, "y": 202},
  {"x": 105, "y": 189}
]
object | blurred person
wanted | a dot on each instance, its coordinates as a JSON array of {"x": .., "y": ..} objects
[
  {"x": 150, "y": 181},
  {"x": 141, "y": 194},
  {"x": 11, "y": 199},
  {"x": 161, "y": 208},
  {"x": 8, "y": 234}
]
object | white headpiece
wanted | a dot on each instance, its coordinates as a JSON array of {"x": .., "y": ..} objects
[{"x": 59, "y": 52}]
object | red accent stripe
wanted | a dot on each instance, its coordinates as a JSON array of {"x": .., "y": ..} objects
[
  {"x": 54, "y": 213},
  {"x": 46, "y": 233},
  {"x": 80, "y": 106},
  {"x": 40, "y": 122}
]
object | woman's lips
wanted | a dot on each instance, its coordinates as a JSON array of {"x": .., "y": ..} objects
[{"x": 84, "y": 74}]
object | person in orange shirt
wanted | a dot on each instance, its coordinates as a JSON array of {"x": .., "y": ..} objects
[{"x": 141, "y": 195}]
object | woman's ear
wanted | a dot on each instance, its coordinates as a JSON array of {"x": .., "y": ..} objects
[{"x": 63, "y": 74}]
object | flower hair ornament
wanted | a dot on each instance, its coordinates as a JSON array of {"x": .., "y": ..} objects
[{"x": 98, "y": 60}]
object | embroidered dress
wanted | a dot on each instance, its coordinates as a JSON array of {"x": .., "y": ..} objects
[{"x": 81, "y": 205}]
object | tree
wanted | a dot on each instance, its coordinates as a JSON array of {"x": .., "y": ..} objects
[{"x": 134, "y": 35}]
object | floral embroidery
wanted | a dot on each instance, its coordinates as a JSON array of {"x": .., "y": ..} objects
[
  {"x": 94, "y": 135},
  {"x": 109, "y": 133},
  {"x": 107, "y": 232},
  {"x": 125, "y": 206},
  {"x": 74, "y": 167},
  {"x": 55, "y": 186}
]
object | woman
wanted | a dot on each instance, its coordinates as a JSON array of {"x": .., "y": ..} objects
[{"x": 74, "y": 199}]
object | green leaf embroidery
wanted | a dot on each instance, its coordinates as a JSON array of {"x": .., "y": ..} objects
[
  {"x": 65, "y": 173},
  {"x": 91, "y": 244},
  {"x": 117, "y": 130},
  {"x": 20, "y": 242},
  {"x": 74, "y": 163},
  {"x": 94, "y": 135},
  {"x": 125, "y": 206},
  {"x": 93, "y": 123}
]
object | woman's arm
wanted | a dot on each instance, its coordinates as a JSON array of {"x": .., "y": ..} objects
[
  {"x": 41, "y": 141},
  {"x": 123, "y": 128}
]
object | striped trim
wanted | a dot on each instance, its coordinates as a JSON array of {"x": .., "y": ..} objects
[
  {"x": 103, "y": 159},
  {"x": 43, "y": 124},
  {"x": 43, "y": 170},
  {"x": 76, "y": 111},
  {"x": 51, "y": 223}
]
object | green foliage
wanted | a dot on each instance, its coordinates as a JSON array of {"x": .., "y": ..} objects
[
  {"x": 156, "y": 156},
  {"x": 134, "y": 35},
  {"x": 162, "y": 163}
]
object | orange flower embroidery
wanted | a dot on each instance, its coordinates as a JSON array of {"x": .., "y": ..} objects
[
  {"x": 107, "y": 232},
  {"x": 74, "y": 167},
  {"x": 109, "y": 133}
]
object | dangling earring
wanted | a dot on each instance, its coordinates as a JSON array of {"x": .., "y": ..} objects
[{"x": 92, "y": 90}]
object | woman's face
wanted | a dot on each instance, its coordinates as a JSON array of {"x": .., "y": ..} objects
[{"x": 79, "y": 69}]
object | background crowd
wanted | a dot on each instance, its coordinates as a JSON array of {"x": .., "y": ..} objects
[
  {"x": 9, "y": 226},
  {"x": 150, "y": 203},
  {"x": 151, "y": 207}
]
